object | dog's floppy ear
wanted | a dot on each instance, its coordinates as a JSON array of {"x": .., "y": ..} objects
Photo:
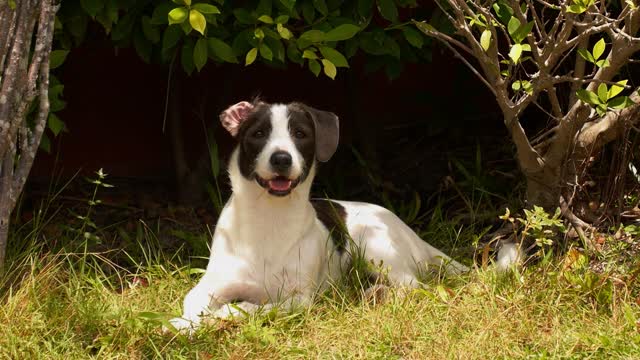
[
  {"x": 327, "y": 128},
  {"x": 235, "y": 115}
]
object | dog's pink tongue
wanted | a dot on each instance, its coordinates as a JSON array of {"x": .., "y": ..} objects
[{"x": 280, "y": 184}]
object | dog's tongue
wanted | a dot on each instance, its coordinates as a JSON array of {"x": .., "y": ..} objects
[{"x": 280, "y": 184}]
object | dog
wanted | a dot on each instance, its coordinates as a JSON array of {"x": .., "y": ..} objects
[{"x": 272, "y": 245}]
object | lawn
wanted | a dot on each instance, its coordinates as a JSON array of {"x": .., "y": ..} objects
[{"x": 81, "y": 305}]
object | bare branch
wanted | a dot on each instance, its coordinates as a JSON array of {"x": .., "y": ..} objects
[
  {"x": 597, "y": 134},
  {"x": 528, "y": 157},
  {"x": 444, "y": 37}
]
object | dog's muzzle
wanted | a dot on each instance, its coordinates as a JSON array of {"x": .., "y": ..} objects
[{"x": 279, "y": 185}]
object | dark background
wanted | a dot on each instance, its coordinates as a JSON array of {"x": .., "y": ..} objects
[{"x": 406, "y": 131}]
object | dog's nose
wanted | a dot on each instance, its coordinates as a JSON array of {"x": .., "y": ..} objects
[{"x": 281, "y": 160}]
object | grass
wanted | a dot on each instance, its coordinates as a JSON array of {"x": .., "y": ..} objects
[
  {"x": 62, "y": 299},
  {"x": 55, "y": 308}
]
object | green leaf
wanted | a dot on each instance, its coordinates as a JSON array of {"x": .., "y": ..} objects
[
  {"x": 603, "y": 93},
  {"x": 485, "y": 39},
  {"x": 365, "y": 8},
  {"x": 621, "y": 102},
  {"x": 288, "y": 3},
  {"x": 178, "y": 15},
  {"x": 270, "y": 33},
  {"x": 516, "y": 85},
  {"x": 585, "y": 54},
  {"x": 222, "y": 50},
  {"x": 313, "y": 36},
  {"x": 266, "y": 19},
  {"x": 197, "y": 21},
  {"x": 55, "y": 124},
  {"x": 294, "y": 54},
  {"x": 413, "y": 37},
  {"x": 200, "y": 53},
  {"x": 576, "y": 9},
  {"x": 315, "y": 67},
  {"x": 282, "y": 19},
  {"x": 206, "y": 8},
  {"x": 186, "y": 57},
  {"x": 152, "y": 33},
  {"x": 321, "y": 6},
  {"x": 186, "y": 27},
  {"x": 258, "y": 33},
  {"x": 284, "y": 32},
  {"x": 56, "y": 103},
  {"x": 243, "y": 16},
  {"x": 309, "y": 54},
  {"x": 265, "y": 52},
  {"x": 503, "y": 11},
  {"x": 602, "y": 63},
  {"x": 616, "y": 89},
  {"x": 264, "y": 7},
  {"x": 522, "y": 32},
  {"x": 161, "y": 14},
  {"x": 251, "y": 56},
  {"x": 170, "y": 37},
  {"x": 424, "y": 27},
  {"x": 57, "y": 58},
  {"x": 598, "y": 49},
  {"x": 329, "y": 69},
  {"x": 276, "y": 48},
  {"x": 515, "y": 53},
  {"x": 92, "y": 7},
  {"x": 513, "y": 26},
  {"x": 388, "y": 10},
  {"x": 334, "y": 56},
  {"x": 588, "y": 97},
  {"x": 342, "y": 32},
  {"x": 308, "y": 12},
  {"x": 142, "y": 46},
  {"x": 45, "y": 143}
]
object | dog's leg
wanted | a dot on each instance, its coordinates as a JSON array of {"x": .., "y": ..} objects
[{"x": 197, "y": 303}]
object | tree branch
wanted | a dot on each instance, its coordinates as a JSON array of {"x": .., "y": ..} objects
[{"x": 599, "y": 133}]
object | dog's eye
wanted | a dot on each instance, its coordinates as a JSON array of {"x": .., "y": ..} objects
[
  {"x": 299, "y": 134},
  {"x": 258, "y": 134}
]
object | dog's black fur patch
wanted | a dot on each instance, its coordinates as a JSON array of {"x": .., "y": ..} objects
[
  {"x": 333, "y": 216},
  {"x": 303, "y": 135},
  {"x": 253, "y": 135}
]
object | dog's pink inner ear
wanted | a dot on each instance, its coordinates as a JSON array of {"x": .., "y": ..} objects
[{"x": 235, "y": 115}]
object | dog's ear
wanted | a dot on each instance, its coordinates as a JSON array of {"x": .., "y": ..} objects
[
  {"x": 235, "y": 115},
  {"x": 327, "y": 127}
]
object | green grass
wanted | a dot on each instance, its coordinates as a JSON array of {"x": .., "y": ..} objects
[{"x": 78, "y": 306}]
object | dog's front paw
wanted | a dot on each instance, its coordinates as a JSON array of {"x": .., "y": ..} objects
[{"x": 239, "y": 310}]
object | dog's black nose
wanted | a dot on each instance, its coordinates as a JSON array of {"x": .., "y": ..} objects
[{"x": 281, "y": 161}]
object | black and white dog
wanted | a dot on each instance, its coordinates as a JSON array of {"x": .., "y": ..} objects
[{"x": 272, "y": 244}]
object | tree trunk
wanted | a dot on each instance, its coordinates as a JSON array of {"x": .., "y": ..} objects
[
  {"x": 24, "y": 76},
  {"x": 555, "y": 179},
  {"x": 544, "y": 187}
]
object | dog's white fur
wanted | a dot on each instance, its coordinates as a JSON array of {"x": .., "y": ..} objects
[{"x": 274, "y": 250}]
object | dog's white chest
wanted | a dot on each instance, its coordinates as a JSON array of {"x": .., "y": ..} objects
[{"x": 273, "y": 254}]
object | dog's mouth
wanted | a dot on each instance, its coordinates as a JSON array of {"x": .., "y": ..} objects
[{"x": 279, "y": 185}]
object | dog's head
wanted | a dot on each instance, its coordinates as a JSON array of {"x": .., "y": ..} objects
[{"x": 279, "y": 143}]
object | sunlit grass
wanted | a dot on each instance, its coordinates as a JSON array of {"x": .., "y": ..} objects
[{"x": 56, "y": 308}]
